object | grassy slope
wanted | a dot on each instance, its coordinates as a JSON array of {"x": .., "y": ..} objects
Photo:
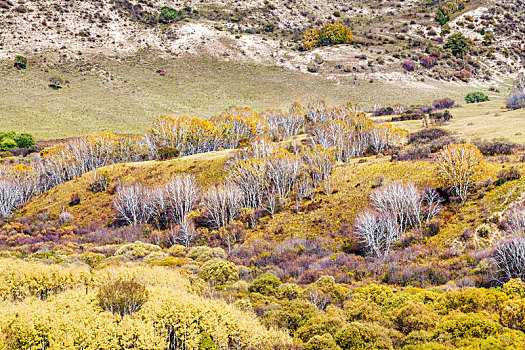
[
  {"x": 352, "y": 184},
  {"x": 96, "y": 207},
  {"x": 485, "y": 120},
  {"x": 127, "y": 102}
]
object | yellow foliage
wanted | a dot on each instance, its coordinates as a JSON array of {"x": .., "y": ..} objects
[
  {"x": 460, "y": 166},
  {"x": 72, "y": 319}
]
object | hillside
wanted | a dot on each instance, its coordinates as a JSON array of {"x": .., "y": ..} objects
[
  {"x": 211, "y": 56},
  {"x": 262, "y": 175},
  {"x": 238, "y": 30}
]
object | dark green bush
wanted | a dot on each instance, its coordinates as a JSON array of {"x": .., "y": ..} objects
[
  {"x": 25, "y": 140},
  {"x": 20, "y": 62},
  {"x": 9, "y": 140},
  {"x": 169, "y": 15},
  {"x": 475, "y": 97},
  {"x": 7, "y": 143},
  {"x": 458, "y": 44}
]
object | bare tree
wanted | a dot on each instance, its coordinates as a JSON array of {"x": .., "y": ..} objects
[
  {"x": 183, "y": 234},
  {"x": 460, "y": 166},
  {"x": 519, "y": 86},
  {"x": 11, "y": 196},
  {"x": 249, "y": 176},
  {"x": 303, "y": 188},
  {"x": 222, "y": 203},
  {"x": 432, "y": 202},
  {"x": 401, "y": 201},
  {"x": 134, "y": 204},
  {"x": 377, "y": 231},
  {"x": 509, "y": 258},
  {"x": 282, "y": 168},
  {"x": 182, "y": 193},
  {"x": 271, "y": 200}
]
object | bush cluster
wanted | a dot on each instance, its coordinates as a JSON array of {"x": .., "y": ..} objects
[
  {"x": 328, "y": 35},
  {"x": 475, "y": 97},
  {"x": 10, "y": 140}
]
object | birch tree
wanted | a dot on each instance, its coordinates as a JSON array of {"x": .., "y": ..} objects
[{"x": 460, "y": 166}]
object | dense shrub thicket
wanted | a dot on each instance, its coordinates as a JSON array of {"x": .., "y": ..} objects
[{"x": 475, "y": 97}]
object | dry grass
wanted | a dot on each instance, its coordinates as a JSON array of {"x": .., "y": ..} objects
[
  {"x": 485, "y": 120},
  {"x": 133, "y": 94},
  {"x": 97, "y": 207}
]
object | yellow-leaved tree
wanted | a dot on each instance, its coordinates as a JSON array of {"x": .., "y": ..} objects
[{"x": 460, "y": 166}]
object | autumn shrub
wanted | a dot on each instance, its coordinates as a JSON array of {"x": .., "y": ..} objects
[
  {"x": 475, "y": 97},
  {"x": 122, "y": 297},
  {"x": 212, "y": 253},
  {"x": 323, "y": 323},
  {"x": 427, "y": 135},
  {"x": 469, "y": 325},
  {"x": 329, "y": 34},
  {"x": 505, "y": 175},
  {"x": 471, "y": 299},
  {"x": 374, "y": 292},
  {"x": 495, "y": 147},
  {"x": 174, "y": 317},
  {"x": 463, "y": 75},
  {"x": 414, "y": 316},
  {"x": 219, "y": 274},
  {"x": 409, "y": 66},
  {"x": 206, "y": 342},
  {"x": 290, "y": 315},
  {"x": 428, "y": 61},
  {"x": 265, "y": 284},
  {"x": 515, "y": 287},
  {"x": 513, "y": 314},
  {"x": 443, "y": 103},
  {"x": 357, "y": 335},
  {"x": 361, "y": 309},
  {"x": 321, "y": 342},
  {"x": 20, "y": 279},
  {"x": 166, "y": 153},
  {"x": 334, "y": 34},
  {"x": 439, "y": 118}
]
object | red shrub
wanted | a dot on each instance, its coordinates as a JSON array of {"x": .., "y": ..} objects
[
  {"x": 463, "y": 75},
  {"x": 428, "y": 62}
]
